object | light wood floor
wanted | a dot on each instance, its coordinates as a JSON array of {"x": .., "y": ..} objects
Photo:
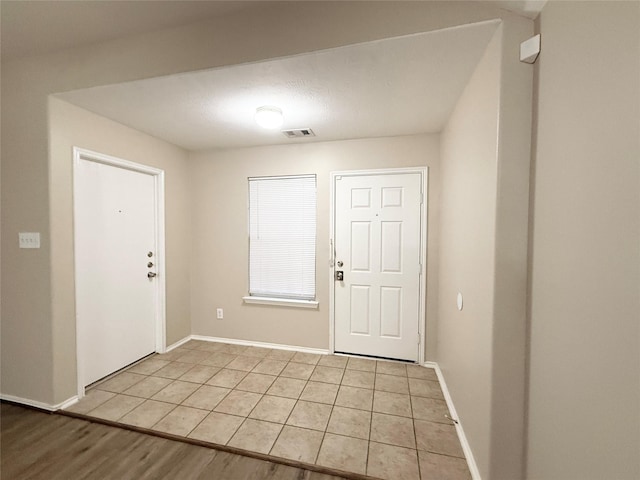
[{"x": 37, "y": 445}]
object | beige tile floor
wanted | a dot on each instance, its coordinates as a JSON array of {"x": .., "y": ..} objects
[{"x": 379, "y": 418}]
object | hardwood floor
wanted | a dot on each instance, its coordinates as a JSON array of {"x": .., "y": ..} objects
[{"x": 37, "y": 445}]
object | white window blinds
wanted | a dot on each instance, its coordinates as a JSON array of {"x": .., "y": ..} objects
[{"x": 282, "y": 237}]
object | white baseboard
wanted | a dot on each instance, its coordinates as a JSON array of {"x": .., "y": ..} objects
[
  {"x": 466, "y": 448},
  {"x": 177, "y": 344},
  {"x": 250, "y": 343},
  {"x": 67, "y": 403},
  {"x": 40, "y": 405}
]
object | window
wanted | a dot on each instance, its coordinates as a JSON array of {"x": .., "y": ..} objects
[{"x": 282, "y": 240}]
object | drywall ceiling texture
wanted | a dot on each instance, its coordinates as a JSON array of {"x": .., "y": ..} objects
[
  {"x": 399, "y": 86},
  {"x": 584, "y": 394},
  {"x": 37, "y": 368}
]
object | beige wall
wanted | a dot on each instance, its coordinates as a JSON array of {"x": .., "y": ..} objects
[
  {"x": 275, "y": 29},
  {"x": 220, "y": 243},
  {"x": 485, "y": 178},
  {"x": 584, "y": 393},
  {"x": 510, "y": 283},
  {"x": 26, "y": 348},
  {"x": 467, "y": 251},
  {"x": 72, "y": 126}
]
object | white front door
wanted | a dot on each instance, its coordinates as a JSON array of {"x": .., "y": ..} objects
[
  {"x": 115, "y": 234},
  {"x": 377, "y": 249}
]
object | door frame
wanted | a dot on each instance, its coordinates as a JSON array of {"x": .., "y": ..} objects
[
  {"x": 424, "y": 174},
  {"x": 158, "y": 177}
]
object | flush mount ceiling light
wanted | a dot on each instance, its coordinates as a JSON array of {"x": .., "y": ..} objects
[{"x": 269, "y": 117}]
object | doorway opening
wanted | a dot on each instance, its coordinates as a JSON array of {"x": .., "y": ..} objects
[
  {"x": 119, "y": 263},
  {"x": 378, "y": 263}
]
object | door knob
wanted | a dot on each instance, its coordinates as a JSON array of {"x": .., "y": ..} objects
[
  {"x": 151, "y": 275},
  {"x": 339, "y": 276}
]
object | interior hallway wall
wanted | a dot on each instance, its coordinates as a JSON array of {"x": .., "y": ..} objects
[
  {"x": 485, "y": 165},
  {"x": 72, "y": 126},
  {"x": 220, "y": 244},
  {"x": 467, "y": 252},
  {"x": 584, "y": 392}
]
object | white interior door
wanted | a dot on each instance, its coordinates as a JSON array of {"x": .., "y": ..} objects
[
  {"x": 377, "y": 247},
  {"x": 115, "y": 225}
]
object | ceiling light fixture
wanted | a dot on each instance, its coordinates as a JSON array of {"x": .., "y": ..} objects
[{"x": 268, "y": 116}]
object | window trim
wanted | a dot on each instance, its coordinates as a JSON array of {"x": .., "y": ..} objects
[{"x": 283, "y": 301}]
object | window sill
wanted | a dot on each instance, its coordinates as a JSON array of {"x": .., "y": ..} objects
[{"x": 283, "y": 302}]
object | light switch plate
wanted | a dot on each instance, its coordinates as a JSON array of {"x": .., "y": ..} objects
[{"x": 29, "y": 239}]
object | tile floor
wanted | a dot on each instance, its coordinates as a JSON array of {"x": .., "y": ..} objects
[{"x": 379, "y": 418}]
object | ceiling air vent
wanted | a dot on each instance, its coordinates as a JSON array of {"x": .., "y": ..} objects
[{"x": 299, "y": 133}]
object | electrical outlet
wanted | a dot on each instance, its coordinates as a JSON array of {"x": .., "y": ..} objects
[{"x": 219, "y": 314}]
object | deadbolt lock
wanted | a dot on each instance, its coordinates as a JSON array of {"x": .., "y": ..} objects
[
  {"x": 340, "y": 263},
  {"x": 150, "y": 254},
  {"x": 150, "y": 264}
]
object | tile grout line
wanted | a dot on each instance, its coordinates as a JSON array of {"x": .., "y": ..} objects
[
  {"x": 324, "y": 434},
  {"x": 199, "y": 384},
  {"x": 415, "y": 435},
  {"x": 373, "y": 400},
  {"x": 210, "y": 411},
  {"x": 232, "y": 389},
  {"x": 294, "y": 405}
]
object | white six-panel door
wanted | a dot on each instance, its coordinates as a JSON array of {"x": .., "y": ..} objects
[
  {"x": 115, "y": 229},
  {"x": 377, "y": 247}
]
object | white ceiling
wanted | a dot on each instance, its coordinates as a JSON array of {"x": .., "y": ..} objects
[
  {"x": 392, "y": 87},
  {"x": 398, "y": 86}
]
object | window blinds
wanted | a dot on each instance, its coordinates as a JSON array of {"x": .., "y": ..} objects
[{"x": 282, "y": 237}]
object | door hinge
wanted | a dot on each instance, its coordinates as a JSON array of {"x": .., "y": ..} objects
[
  {"x": 418, "y": 338},
  {"x": 422, "y": 199},
  {"x": 419, "y": 269}
]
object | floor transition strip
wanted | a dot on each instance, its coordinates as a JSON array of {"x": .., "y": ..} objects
[{"x": 223, "y": 448}]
